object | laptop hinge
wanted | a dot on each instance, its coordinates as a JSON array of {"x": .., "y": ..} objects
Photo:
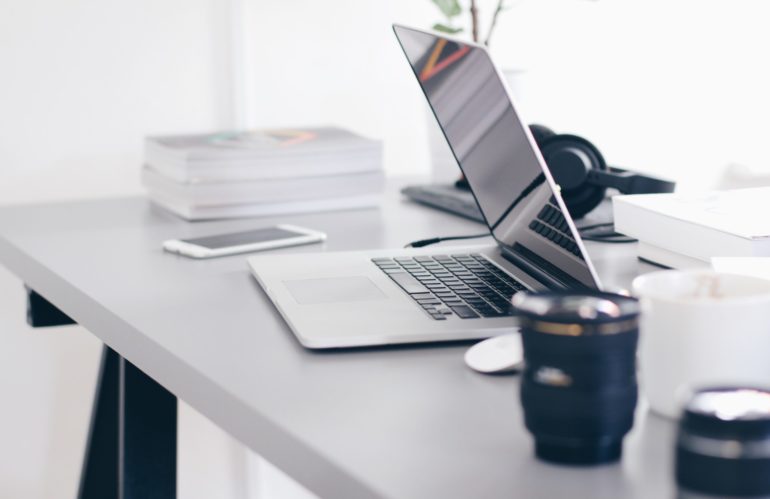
[{"x": 538, "y": 268}]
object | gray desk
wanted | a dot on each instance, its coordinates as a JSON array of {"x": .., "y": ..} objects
[{"x": 399, "y": 422}]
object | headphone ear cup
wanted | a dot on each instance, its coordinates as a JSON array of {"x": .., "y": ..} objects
[
  {"x": 570, "y": 158},
  {"x": 541, "y": 133}
]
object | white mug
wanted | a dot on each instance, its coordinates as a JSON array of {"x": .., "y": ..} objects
[{"x": 701, "y": 328}]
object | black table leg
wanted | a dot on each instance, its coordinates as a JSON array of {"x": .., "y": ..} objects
[
  {"x": 131, "y": 450},
  {"x": 99, "y": 476},
  {"x": 147, "y": 443},
  {"x": 42, "y": 313}
]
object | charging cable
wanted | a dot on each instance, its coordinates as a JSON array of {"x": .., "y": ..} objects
[
  {"x": 587, "y": 233},
  {"x": 434, "y": 240}
]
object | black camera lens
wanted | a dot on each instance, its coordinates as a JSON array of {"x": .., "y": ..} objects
[
  {"x": 578, "y": 389},
  {"x": 723, "y": 448}
]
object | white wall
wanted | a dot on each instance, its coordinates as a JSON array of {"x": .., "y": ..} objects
[
  {"x": 676, "y": 88},
  {"x": 338, "y": 62},
  {"x": 84, "y": 80}
]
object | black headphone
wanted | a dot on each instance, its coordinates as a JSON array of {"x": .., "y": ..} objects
[{"x": 583, "y": 175}]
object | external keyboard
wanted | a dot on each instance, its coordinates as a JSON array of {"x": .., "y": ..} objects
[
  {"x": 447, "y": 198},
  {"x": 468, "y": 286}
]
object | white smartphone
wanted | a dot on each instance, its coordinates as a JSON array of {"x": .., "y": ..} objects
[{"x": 279, "y": 236}]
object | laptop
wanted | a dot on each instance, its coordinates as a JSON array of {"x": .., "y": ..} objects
[{"x": 364, "y": 298}]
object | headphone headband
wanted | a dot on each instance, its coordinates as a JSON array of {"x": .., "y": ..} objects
[{"x": 629, "y": 182}]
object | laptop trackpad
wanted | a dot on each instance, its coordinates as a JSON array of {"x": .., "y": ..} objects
[{"x": 334, "y": 289}]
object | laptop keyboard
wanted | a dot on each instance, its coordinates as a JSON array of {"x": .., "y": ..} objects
[
  {"x": 468, "y": 286},
  {"x": 550, "y": 224}
]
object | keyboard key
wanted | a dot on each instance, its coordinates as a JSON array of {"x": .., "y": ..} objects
[
  {"x": 408, "y": 283},
  {"x": 489, "y": 312},
  {"x": 464, "y": 312}
]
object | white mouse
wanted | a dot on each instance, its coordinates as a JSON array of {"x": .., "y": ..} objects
[{"x": 501, "y": 354}]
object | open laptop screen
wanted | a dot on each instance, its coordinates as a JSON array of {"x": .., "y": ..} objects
[{"x": 497, "y": 156}]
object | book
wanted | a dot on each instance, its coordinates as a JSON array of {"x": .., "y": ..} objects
[
  {"x": 279, "y": 190},
  {"x": 213, "y": 212},
  {"x": 262, "y": 154},
  {"x": 216, "y": 171},
  {"x": 696, "y": 226}
]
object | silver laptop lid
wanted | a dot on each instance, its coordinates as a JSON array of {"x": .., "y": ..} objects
[{"x": 499, "y": 158}]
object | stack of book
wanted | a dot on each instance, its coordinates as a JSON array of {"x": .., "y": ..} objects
[
  {"x": 688, "y": 230},
  {"x": 265, "y": 172}
]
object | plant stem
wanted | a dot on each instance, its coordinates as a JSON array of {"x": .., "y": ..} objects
[
  {"x": 474, "y": 21},
  {"x": 494, "y": 20}
]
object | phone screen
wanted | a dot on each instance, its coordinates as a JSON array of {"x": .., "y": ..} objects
[{"x": 241, "y": 238}]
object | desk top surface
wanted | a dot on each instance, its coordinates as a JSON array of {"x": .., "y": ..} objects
[{"x": 399, "y": 422}]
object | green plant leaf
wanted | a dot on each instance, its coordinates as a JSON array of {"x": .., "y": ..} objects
[
  {"x": 446, "y": 29},
  {"x": 449, "y": 8}
]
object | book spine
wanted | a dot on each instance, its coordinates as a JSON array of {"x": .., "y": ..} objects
[
  {"x": 214, "y": 173},
  {"x": 268, "y": 209}
]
